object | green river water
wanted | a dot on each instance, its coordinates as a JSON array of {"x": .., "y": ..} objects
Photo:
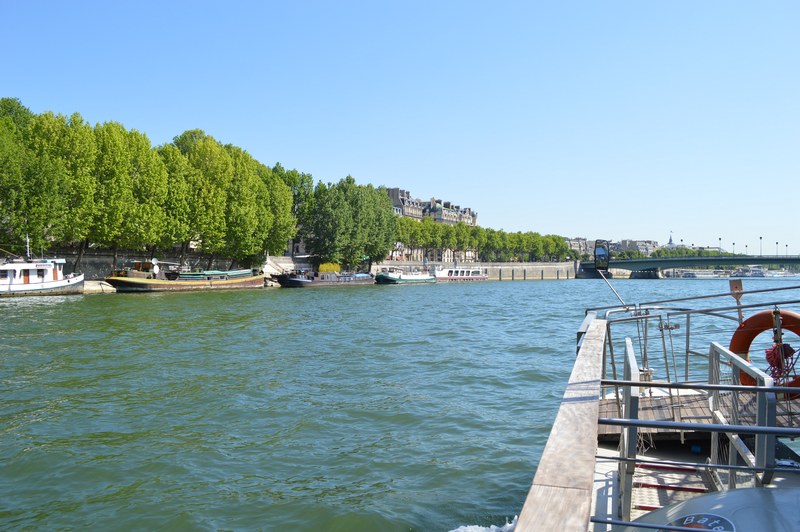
[{"x": 356, "y": 408}]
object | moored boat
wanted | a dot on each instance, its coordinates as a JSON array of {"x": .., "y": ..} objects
[
  {"x": 460, "y": 274},
  {"x": 31, "y": 277},
  {"x": 395, "y": 275},
  {"x": 309, "y": 279},
  {"x": 155, "y": 276},
  {"x": 666, "y": 426}
]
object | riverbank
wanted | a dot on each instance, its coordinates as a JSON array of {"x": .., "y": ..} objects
[
  {"x": 97, "y": 266},
  {"x": 98, "y": 287}
]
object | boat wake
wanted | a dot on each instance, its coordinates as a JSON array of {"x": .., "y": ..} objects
[{"x": 508, "y": 527}]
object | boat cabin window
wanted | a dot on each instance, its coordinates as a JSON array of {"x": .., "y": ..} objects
[
  {"x": 4, "y": 274},
  {"x": 40, "y": 273}
]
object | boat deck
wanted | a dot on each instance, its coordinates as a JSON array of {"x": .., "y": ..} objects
[
  {"x": 654, "y": 486},
  {"x": 689, "y": 408}
]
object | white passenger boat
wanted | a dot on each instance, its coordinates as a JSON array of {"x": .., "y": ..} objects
[
  {"x": 714, "y": 450},
  {"x": 460, "y": 274},
  {"x": 394, "y": 275},
  {"x": 32, "y": 277}
]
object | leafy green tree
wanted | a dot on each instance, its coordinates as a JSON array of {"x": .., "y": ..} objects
[
  {"x": 327, "y": 225},
  {"x": 70, "y": 142},
  {"x": 409, "y": 233},
  {"x": 301, "y": 187},
  {"x": 214, "y": 172},
  {"x": 382, "y": 225},
  {"x": 447, "y": 237},
  {"x": 247, "y": 215},
  {"x": 430, "y": 238},
  {"x": 147, "y": 222},
  {"x": 18, "y": 115},
  {"x": 478, "y": 239},
  {"x": 31, "y": 205},
  {"x": 178, "y": 205},
  {"x": 281, "y": 210},
  {"x": 14, "y": 161},
  {"x": 114, "y": 198}
]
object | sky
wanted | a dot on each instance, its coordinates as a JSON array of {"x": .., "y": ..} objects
[{"x": 595, "y": 119}]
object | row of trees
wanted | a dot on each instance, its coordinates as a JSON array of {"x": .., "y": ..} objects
[
  {"x": 490, "y": 245},
  {"x": 65, "y": 182}
]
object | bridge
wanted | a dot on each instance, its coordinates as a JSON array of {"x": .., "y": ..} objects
[{"x": 654, "y": 263}]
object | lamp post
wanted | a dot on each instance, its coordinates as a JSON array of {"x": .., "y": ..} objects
[
  {"x": 745, "y": 249},
  {"x": 720, "y": 245},
  {"x": 760, "y": 252},
  {"x": 787, "y": 250},
  {"x": 734, "y": 248},
  {"x": 776, "y": 249}
]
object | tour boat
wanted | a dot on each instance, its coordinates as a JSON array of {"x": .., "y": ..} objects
[
  {"x": 309, "y": 279},
  {"x": 460, "y": 274},
  {"x": 666, "y": 425},
  {"x": 155, "y": 276},
  {"x": 42, "y": 277},
  {"x": 394, "y": 275}
]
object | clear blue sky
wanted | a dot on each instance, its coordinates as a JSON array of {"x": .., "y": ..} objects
[{"x": 617, "y": 119}]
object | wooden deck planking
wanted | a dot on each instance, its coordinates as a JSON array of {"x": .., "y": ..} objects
[{"x": 694, "y": 409}]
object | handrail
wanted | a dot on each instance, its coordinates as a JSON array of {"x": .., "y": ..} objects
[{"x": 765, "y": 429}]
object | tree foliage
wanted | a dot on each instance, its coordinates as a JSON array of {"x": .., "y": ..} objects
[
  {"x": 64, "y": 182},
  {"x": 349, "y": 224}
]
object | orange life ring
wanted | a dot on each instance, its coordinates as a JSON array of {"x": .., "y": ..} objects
[{"x": 755, "y": 325}]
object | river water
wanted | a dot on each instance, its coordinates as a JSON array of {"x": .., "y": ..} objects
[{"x": 357, "y": 408}]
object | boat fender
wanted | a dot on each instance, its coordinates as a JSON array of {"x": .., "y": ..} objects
[{"x": 755, "y": 325}]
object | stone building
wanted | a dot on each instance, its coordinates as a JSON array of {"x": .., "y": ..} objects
[
  {"x": 404, "y": 204},
  {"x": 439, "y": 211}
]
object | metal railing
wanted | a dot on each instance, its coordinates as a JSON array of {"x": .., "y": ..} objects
[{"x": 725, "y": 404}]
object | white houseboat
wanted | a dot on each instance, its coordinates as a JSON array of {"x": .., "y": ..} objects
[
  {"x": 21, "y": 277},
  {"x": 460, "y": 274}
]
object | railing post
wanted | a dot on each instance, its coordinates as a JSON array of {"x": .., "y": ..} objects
[
  {"x": 765, "y": 444},
  {"x": 629, "y": 435}
]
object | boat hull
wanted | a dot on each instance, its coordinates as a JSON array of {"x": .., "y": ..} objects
[
  {"x": 389, "y": 279},
  {"x": 132, "y": 284}
]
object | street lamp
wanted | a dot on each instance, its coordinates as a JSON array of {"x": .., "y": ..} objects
[
  {"x": 734, "y": 248},
  {"x": 776, "y": 249},
  {"x": 745, "y": 249},
  {"x": 760, "y": 252},
  {"x": 787, "y": 250},
  {"x": 720, "y": 245}
]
